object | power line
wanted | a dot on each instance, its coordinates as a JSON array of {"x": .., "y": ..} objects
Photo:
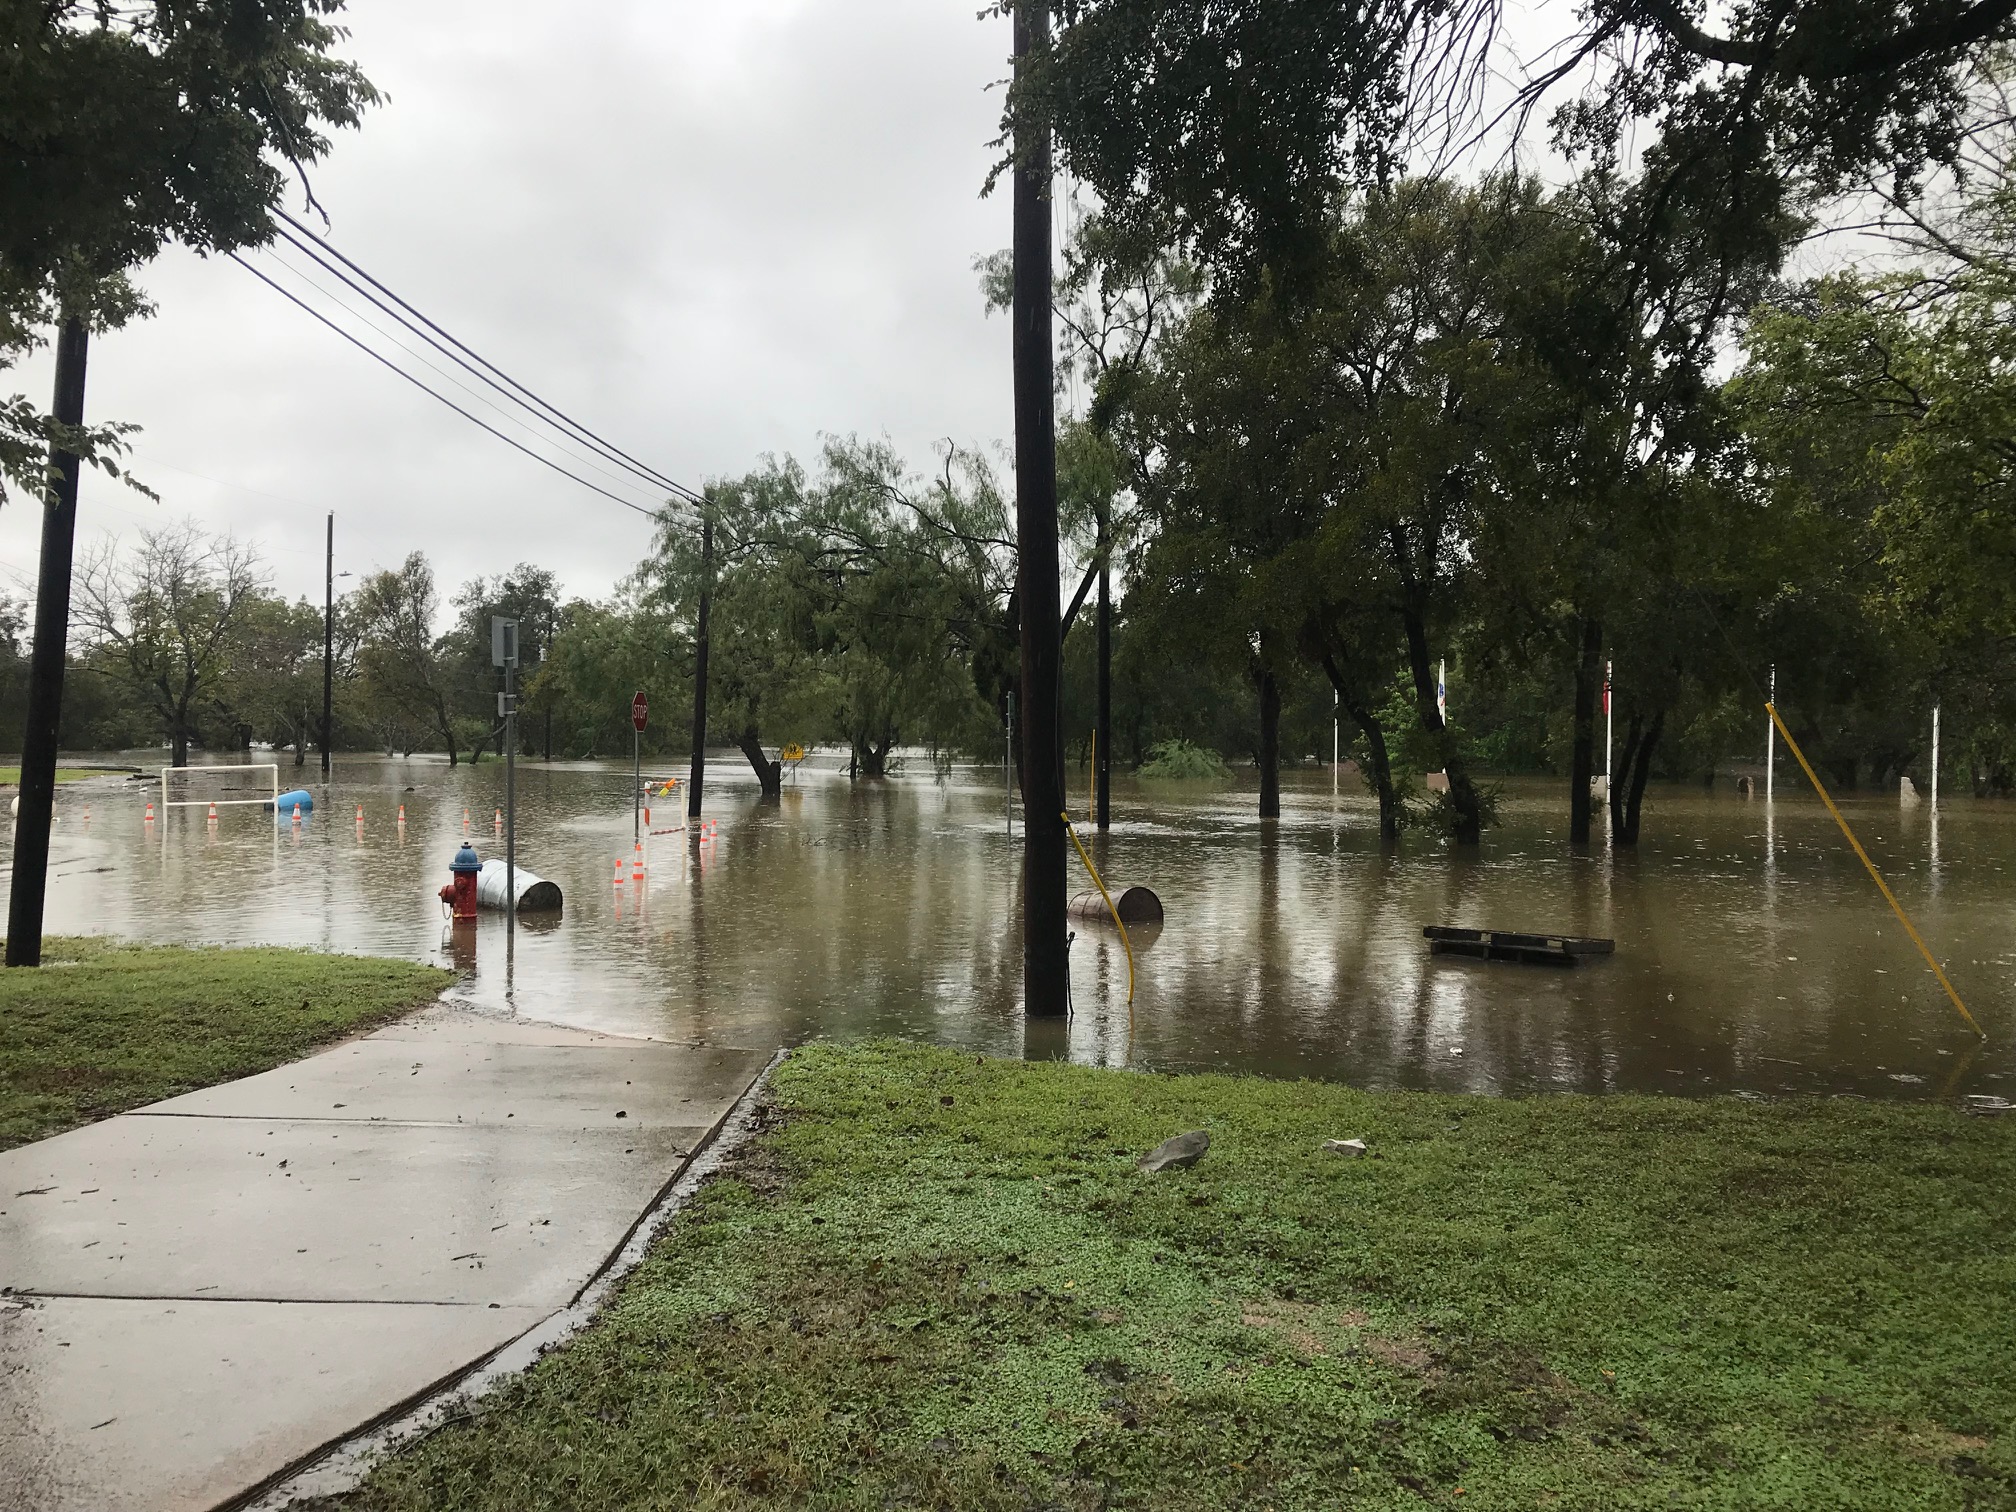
[
  {"x": 300, "y": 236},
  {"x": 371, "y": 351},
  {"x": 591, "y": 460}
]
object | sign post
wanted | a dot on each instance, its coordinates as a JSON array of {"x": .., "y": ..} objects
[
  {"x": 504, "y": 653},
  {"x": 640, "y": 709}
]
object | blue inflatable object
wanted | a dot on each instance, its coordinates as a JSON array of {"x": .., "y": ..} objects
[
  {"x": 466, "y": 859},
  {"x": 284, "y": 804}
]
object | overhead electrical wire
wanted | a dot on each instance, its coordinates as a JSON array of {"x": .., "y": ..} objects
[
  {"x": 368, "y": 349},
  {"x": 592, "y": 463},
  {"x": 467, "y": 357}
]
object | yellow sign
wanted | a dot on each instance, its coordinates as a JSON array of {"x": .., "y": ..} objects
[{"x": 792, "y": 753}]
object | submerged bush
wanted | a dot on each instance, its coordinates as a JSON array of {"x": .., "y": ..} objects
[{"x": 1181, "y": 761}]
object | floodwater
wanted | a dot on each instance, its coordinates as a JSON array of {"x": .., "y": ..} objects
[{"x": 1753, "y": 954}]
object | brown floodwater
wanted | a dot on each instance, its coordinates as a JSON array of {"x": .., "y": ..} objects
[{"x": 1753, "y": 955}]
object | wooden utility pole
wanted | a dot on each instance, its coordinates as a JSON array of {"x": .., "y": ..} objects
[
  {"x": 699, "y": 771},
  {"x": 328, "y": 641},
  {"x": 45, "y": 666},
  {"x": 1102, "y": 756},
  {"x": 1045, "y": 964}
]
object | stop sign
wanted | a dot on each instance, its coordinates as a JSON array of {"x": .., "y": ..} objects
[{"x": 639, "y": 708}]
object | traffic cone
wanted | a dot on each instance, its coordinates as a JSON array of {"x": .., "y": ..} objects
[
  {"x": 150, "y": 810},
  {"x": 402, "y": 813},
  {"x": 297, "y": 813},
  {"x": 617, "y": 879},
  {"x": 498, "y": 822},
  {"x": 637, "y": 862},
  {"x": 360, "y": 813},
  {"x": 465, "y": 818},
  {"x": 213, "y": 812}
]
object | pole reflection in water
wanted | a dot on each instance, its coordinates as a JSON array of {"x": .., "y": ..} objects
[{"x": 1290, "y": 949}]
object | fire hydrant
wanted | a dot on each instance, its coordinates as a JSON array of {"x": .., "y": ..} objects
[{"x": 461, "y": 893}]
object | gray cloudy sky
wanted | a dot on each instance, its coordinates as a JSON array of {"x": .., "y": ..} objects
[{"x": 707, "y": 230}]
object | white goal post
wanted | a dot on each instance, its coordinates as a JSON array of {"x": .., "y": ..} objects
[{"x": 199, "y": 786}]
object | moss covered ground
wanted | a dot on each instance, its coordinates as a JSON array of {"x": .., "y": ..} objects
[
  {"x": 101, "y": 1027},
  {"x": 940, "y": 1281}
]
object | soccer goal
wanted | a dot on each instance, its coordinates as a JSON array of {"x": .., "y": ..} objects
[{"x": 201, "y": 786}]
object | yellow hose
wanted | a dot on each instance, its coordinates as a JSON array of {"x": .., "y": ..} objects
[
  {"x": 1874, "y": 875},
  {"x": 1124, "y": 941}
]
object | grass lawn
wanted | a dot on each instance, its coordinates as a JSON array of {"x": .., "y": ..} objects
[
  {"x": 101, "y": 1027},
  {"x": 937, "y": 1281},
  {"x": 11, "y": 776}
]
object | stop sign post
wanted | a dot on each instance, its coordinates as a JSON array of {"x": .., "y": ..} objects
[{"x": 640, "y": 709}]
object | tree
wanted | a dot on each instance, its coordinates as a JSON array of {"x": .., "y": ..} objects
[
  {"x": 528, "y": 594},
  {"x": 124, "y": 127},
  {"x": 272, "y": 677},
  {"x": 398, "y": 656},
  {"x": 1229, "y": 124},
  {"x": 162, "y": 618}
]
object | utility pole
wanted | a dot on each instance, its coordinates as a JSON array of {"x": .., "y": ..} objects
[
  {"x": 1102, "y": 761},
  {"x": 328, "y": 641},
  {"x": 1045, "y": 965},
  {"x": 699, "y": 771},
  {"x": 45, "y": 667}
]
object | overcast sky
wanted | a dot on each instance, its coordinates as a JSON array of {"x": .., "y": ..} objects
[{"x": 707, "y": 230}]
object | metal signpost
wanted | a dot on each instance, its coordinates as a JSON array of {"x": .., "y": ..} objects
[
  {"x": 640, "y": 709},
  {"x": 504, "y": 653}
]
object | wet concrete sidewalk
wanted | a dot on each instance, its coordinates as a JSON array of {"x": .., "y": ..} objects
[{"x": 206, "y": 1292}]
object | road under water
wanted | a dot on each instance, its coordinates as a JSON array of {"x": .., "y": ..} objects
[{"x": 1753, "y": 954}]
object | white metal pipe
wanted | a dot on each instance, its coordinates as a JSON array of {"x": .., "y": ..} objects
[{"x": 1935, "y": 755}]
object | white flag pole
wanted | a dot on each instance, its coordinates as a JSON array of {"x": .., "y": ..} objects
[
  {"x": 1935, "y": 755},
  {"x": 1770, "y": 740}
]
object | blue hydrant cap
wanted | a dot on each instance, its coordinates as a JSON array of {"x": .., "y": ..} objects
[{"x": 466, "y": 859}]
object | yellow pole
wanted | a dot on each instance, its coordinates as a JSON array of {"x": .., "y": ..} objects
[
  {"x": 1874, "y": 875},
  {"x": 1124, "y": 941}
]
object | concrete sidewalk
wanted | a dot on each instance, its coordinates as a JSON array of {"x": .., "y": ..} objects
[{"x": 206, "y": 1292}]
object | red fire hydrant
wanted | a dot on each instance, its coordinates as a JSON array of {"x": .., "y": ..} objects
[{"x": 461, "y": 893}]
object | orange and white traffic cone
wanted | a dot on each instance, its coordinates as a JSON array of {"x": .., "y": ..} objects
[
  {"x": 497, "y": 823},
  {"x": 617, "y": 879},
  {"x": 360, "y": 813},
  {"x": 150, "y": 810},
  {"x": 213, "y": 813},
  {"x": 402, "y": 813},
  {"x": 637, "y": 862},
  {"x": 297, "y": 813},
  {"x": 465, "y": 819}
]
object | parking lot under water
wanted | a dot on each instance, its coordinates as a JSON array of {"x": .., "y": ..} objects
[{"x": 1753, "y": 954}]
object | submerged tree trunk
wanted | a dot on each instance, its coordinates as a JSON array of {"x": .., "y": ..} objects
[
  {"x": 1270, "y": 743},
  {"x": 872, "y": 757},
  {"x": 1378, "y": 760},
  {"x": 1582, "y": 762},
  {"x": 1640, "y": 741},
  {"x": 1468, "y": 828},
  {"x": 770, "y": 774}
]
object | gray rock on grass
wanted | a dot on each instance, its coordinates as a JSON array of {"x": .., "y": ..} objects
[
  {"x": 1350, "y": 1149},
  {"x": 1177, "y": 1154}
]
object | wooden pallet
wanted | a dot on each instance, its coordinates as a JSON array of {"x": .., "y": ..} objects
[{"x": 1503, "y": 945}]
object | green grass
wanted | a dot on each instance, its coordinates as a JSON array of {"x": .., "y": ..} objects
[
  {"x": 11, "y": 776},
  {"x": 941, "y": 1282},
  {"x": 101, "y": 1027}
]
